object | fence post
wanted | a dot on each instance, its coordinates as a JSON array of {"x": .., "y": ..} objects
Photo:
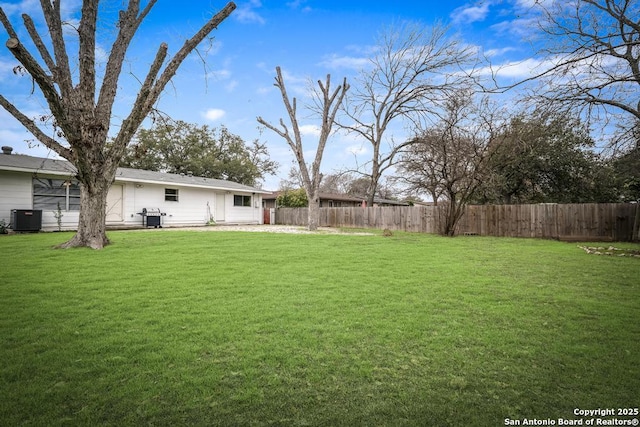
[{"x": 635, "y": 236}]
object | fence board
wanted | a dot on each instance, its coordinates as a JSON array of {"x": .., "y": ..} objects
[{"x": 589, "y": 221}]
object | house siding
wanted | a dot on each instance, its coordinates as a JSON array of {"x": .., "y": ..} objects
[
  {"x": 68, "y": 221},
  {"x": 190, "y": 209},
  {"x": 16, "y": 192}
]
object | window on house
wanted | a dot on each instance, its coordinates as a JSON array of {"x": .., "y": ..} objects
[
  {"x": 54, "y": 194},
  {"x": 241, "y": 200},
  {"x": 171, "y": 194}
]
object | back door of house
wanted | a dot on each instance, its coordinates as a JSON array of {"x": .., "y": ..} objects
[
  {"x": 220, "y": 207},
  {"x": 114, "y": 204}
]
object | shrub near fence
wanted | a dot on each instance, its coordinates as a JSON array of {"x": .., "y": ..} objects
[{"x": 580, "y": 222}]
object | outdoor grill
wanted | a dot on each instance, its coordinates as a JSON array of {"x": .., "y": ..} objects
[{"x": 151, "y": 217}]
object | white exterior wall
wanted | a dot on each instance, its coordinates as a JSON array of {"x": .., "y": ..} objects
[
  {"x": 16, "y": 192},
  {"x": 244, "y": 214},
  {"x": 68, "y": 221},
  {"x": 190, "y": 209}
]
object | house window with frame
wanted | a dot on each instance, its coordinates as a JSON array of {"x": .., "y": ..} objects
[
  {"x": 56, "y": 194},
  {"x": 239, "y": 200},
  {"x": 171, "y": 194}
]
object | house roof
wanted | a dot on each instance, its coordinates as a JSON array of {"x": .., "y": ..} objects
[
  {"x": 344, "y": 198},
  {"x": 390, "y": 202},
  {"x": 23, "y": 163},
  {"x": 323, "y": 196}
]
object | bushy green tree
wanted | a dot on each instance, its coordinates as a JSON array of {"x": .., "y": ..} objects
[
  {"x": 626, "y": 168},
  {"x": 293, "y": 199},
  {"x": 545, "y": 158},
  {"x": 180, "y": 147}
]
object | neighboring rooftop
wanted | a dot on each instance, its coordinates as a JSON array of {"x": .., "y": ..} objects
[
  {"x": 344, "y": 198},
  {"x": 324, "y": 196}
]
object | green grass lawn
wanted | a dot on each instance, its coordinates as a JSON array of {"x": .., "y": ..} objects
[{"x": 194, "y": 328}]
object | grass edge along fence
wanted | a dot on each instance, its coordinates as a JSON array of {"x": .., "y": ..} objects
[{"x": 568, "y": 222}]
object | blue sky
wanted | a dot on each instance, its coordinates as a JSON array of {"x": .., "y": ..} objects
[{"x": 308, "y": 39}]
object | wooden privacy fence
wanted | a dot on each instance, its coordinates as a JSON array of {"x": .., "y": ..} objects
[{"x": 579, "y": 222}]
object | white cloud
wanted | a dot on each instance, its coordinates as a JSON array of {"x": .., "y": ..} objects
[
  {"x": 527, "y": 4},
  {"x": 6, "y": 69},
  {"x": 247, "y": 14},
  {"x": 310, "y": 130},
  {"x": 230, "y": 87},
  {"x": 470, "y": 14},
  {"x": 214, "y": 114},
  {"x": 517, "y": 69},
  {"x": 348, "y": 62},
  {"x": 522, "y": 27},
  {"x": 33, "y": 8},
  {"x": 492, "y": 53},
  {"x": 300, "y": 5},
  {"x": 223, "y": 74},
  {"x": 101, "y": 54},
  {"x": 219, "y": 74},
  {"x": 297, "y": 86},
  {"x": 25, "y": 6},
  {"x": 263, "y": 90}
]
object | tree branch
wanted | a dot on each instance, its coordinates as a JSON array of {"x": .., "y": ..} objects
[
  {"x": 187, "y": 47},
  {"x": 128, "y": 24},
  {"x": 35, "y": 130},
  {"x": 54, "y": 23},
  {"x": 153, "y": 85},
  {"x": 87, "y": 53},
  {"x": 37, "y": 40},
  {"x": 43, "y": 80}
]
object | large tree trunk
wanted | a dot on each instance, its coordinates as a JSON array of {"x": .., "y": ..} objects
[
  {"x": 452, "y": 213},
  {"x": 93, "y": 207},
  {"x": 373, "y": 183},
  {"x": 81, "y": 109},
  {"x": 314, "y": 213}
]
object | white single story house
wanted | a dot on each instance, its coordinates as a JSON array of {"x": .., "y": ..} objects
[{"x": 49, "y": 185}]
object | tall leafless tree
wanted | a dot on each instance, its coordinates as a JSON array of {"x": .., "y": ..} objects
[
  {"x": 82, "y": 112},
  {"x": 592, "y": 51},
  {"x": 595, "y": 51},
  {"x": 328, "y": 103},
  {"x": 412, "y": 69},
  {"x": 447, "y": 160}
]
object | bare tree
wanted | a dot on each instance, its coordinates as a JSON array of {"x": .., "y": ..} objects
[
  {"x": 337, "y": 183},
  {"x": 448, "y": 159},
  {"x": 293, "y": 180},
  {"x": 329, "y": 103},
  {"x": 82, "y": 111},
  {"x": 593, "y": 47},
  {"x": 413, "y": 68}
]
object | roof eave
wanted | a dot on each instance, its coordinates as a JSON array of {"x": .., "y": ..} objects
[
  {"x": 190, "y": 185},
  {"x": 38, "y": 171}
]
